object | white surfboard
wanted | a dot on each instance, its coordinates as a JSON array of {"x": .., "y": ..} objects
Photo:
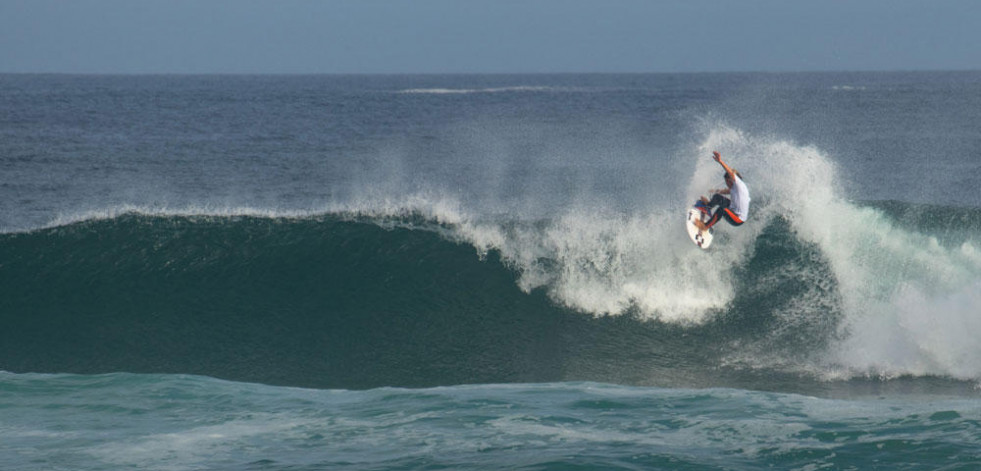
[{"x": 703, "y": 239}]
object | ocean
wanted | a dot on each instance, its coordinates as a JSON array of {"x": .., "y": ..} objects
[{"x": 423, "y": 272}]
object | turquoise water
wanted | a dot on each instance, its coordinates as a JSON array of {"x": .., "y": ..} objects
[
  {"x": 122, "y": 421},
  {"x": 488, "y": 272}
]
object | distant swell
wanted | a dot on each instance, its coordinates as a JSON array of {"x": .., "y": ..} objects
[{"x": 464, "y": 91}]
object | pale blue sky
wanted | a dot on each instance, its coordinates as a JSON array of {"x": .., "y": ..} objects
[{"x": 484, "y": 36}]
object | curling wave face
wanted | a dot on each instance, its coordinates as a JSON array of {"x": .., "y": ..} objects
[{"x": 420, "y": 291}]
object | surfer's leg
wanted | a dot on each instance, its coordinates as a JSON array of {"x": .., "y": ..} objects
[
  {"x": 731, "y": 217},
  {"x": 718, "y": 200},
  {"x": 722, "y": 202},
  {"x": 711, "y": 222}
]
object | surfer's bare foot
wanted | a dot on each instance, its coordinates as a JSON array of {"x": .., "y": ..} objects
[
  {"x": 699, "y": 224},
  {"x": 705, "y": 200}
]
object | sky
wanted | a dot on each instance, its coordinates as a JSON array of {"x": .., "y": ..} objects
[{"x": 486, "y": 36}]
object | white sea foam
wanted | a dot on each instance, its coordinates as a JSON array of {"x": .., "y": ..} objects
[
  {"x": 891, "y": 281},
  {"x": 910, "y": 304},
  {"x": 607, "y": 264}
]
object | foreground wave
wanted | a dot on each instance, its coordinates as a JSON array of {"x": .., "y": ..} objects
[
  {"x": 187, "y": 422},
  {"x": 338, "y": 301}
]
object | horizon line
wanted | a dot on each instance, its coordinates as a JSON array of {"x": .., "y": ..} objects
[{"x": 706, "y": 72}]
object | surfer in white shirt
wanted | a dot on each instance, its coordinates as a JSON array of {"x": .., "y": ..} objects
[{"x": 735, "y": 207}]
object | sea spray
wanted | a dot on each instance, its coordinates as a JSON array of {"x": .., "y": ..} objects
[
  {"x": 872, "y": 295},
  {"x": 600, "y": 262},
  {"x": 892, "y": 280}
]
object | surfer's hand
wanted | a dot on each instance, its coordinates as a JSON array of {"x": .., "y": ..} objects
[{"x": 717, "y": 156}]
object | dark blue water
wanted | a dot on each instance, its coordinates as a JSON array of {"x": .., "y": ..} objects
[{"x": 513, "y": 246}]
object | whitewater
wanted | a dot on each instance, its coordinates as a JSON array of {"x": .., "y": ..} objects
[{"x": 374, "y": 272}]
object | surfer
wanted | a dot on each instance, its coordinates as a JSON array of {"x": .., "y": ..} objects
[{"x": 735, "y": 208}]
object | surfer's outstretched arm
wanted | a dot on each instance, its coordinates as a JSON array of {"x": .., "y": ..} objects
[{"x": 718, "y": 158}]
